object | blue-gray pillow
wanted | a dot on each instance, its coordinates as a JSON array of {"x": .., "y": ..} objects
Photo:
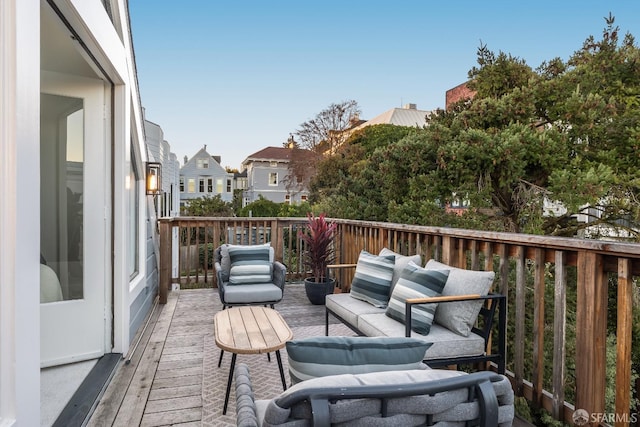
[
  {"x": 322, "y": 356},
  {"x": 417, "y": 282},
  {"x": 249, "y": 264},
  {"x": 401, "y": 263},
  {"x": 372, "y": 279}
]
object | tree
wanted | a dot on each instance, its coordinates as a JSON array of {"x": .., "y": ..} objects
[
  {"x": 260, "y": 208},
  {"x": 567, "y": 133},
  {"x": 326, "y": 132},
  {"x": 207, "y": 206}
]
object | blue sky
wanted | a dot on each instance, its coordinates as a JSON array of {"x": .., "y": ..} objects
[{"x": 239, "y": 76}]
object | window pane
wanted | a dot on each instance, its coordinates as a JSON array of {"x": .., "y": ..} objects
[
  {"x": 61, "y": 195},
  {"x": 132, "y": 223}
]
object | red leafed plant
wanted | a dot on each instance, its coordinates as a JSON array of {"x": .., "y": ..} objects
[{"x": 318, "y": 237}]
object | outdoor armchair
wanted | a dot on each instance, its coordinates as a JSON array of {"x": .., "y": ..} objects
[{"x": 248, "y": 275}]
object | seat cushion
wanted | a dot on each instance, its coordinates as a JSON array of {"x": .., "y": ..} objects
[
  {"x": 349, "y": 308},
  {"x": 445, "y": 343},
  {"x": 253, "y": 293},
  {"x": 372, "y": 279},
  {"x": 322, "y": 356},
  {"x": 459, "y": 317},
  {"x": 416, "y": 282},
  {"x": 401, "y": 263},
  {"x": 249, "y": 264}
]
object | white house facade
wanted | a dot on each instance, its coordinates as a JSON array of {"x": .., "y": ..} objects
[
  {"x": 77, "y": 266},
  {"x": 202, "y": 176}
]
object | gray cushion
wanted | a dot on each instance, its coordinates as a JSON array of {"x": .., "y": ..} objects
[
  {"x": 249, "y": 264},
  {"x": 349, "y": 308},
  {"x": 322, "y": 356},
  {"x": 401, "y": 263},
  {"x": 416, "y": 282},
  {"x": 252, "y": 293},
  {"x": 445, "y": 343},
  {"x": 460, "y": 317},
  {"x": 225, "y": 262},
  {"x": 372, "y": 279}
]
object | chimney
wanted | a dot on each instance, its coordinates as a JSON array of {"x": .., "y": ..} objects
[
  {"x": 186, "y": 159},
  {"x": 410, "y": 107}
]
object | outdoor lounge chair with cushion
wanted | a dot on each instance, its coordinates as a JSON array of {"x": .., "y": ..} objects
[
  {"x": 248, "y": 275},
  {"x": 390, "y": 398}
]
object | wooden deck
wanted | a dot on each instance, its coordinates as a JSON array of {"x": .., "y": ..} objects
[{"x": 163, "y": 383}]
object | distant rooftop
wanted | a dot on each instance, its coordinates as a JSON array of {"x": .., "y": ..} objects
[{"x": 409, "y": 115}]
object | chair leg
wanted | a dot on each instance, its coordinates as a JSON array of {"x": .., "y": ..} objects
[{"x": 220, "y": 359}]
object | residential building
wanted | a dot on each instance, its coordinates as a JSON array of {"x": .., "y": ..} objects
[
  {"x": 203, "y": 176},
  {"x": 159, "y": 150},
  {"x": 78, "y": 272},
  {"x": 268, "y": 176},
  {"x": 408, "y": 115},
  {"x": 458, "y": 93}
]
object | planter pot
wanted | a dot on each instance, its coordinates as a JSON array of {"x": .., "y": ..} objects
[{"x": 317, "y": 291}]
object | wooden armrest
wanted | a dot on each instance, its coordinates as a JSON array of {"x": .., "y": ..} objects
[
  {"x": 450, "y": 298},
  {"x": 341, "y": 266}
]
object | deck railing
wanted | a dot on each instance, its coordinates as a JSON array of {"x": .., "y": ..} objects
[{"x": 558, "y": 351}]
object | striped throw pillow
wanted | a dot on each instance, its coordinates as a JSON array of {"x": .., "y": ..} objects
[
  {"x": 372, "y": 279},
  {"x": 323, "y": 356},
  {"x": 249, "y": 264},
  {"x": 417, "y": 282}
]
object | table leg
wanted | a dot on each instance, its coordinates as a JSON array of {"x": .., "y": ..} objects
[
  {"x": 284, "y": 382},
  {"x": 233, "y": 365},
  {"x": 220, "y": 359}
]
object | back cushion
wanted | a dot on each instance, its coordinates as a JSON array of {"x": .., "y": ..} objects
[
  {"x": 372, "y": 279},
  {"x": 323, "y": 356},
  {"x": 416, "y": 282},
  {"x": 459, "y": 317},
  {"x": 249, "y": 264},
  {"x": 401, "y": 263}
]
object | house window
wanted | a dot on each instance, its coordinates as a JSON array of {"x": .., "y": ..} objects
[
  {"x": 132, "y": 226},
  {"x": 191, "y": 185},
  {"x": 209, "y": 185},
  {"x": 219, "y": 185},
  {"x": 201, "y": 185},
  {"x": 303, "y": 198},
  {"x": 273, "y": 178},
  {"x": 287, "y": 199},
  {"x": 274, "y": 164},
  {"x": 202, "y": 163},
  {"x": 182, "y": 184},
  {"x": 228, "y": 186}
]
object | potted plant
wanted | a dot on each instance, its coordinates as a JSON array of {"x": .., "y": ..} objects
[{"x": 319, "y": 251}]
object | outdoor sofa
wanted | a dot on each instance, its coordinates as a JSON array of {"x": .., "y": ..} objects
[
  {"x": 463, "y": 320},
  {"x": 390, "y": 398}
]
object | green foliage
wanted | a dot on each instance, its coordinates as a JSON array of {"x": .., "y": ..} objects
[
  {"x": 567, "y": 132},
  {"x": 207, "y": 206},
  {"x": 260, "y": 208}
]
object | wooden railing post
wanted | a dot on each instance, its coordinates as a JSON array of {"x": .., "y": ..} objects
[
  {"x": 623, "y": 352},
  {"x": 165, "y": 261},
  {"x": 591, "y": 333}
]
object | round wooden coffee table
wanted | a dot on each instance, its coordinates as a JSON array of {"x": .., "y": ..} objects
[{"x": 250, "y": 330}]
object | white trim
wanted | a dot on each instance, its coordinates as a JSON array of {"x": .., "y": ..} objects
[{"x": 19, "y": 222}]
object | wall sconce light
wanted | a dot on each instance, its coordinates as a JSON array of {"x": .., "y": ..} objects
[{"x": 153, "y": 181}]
